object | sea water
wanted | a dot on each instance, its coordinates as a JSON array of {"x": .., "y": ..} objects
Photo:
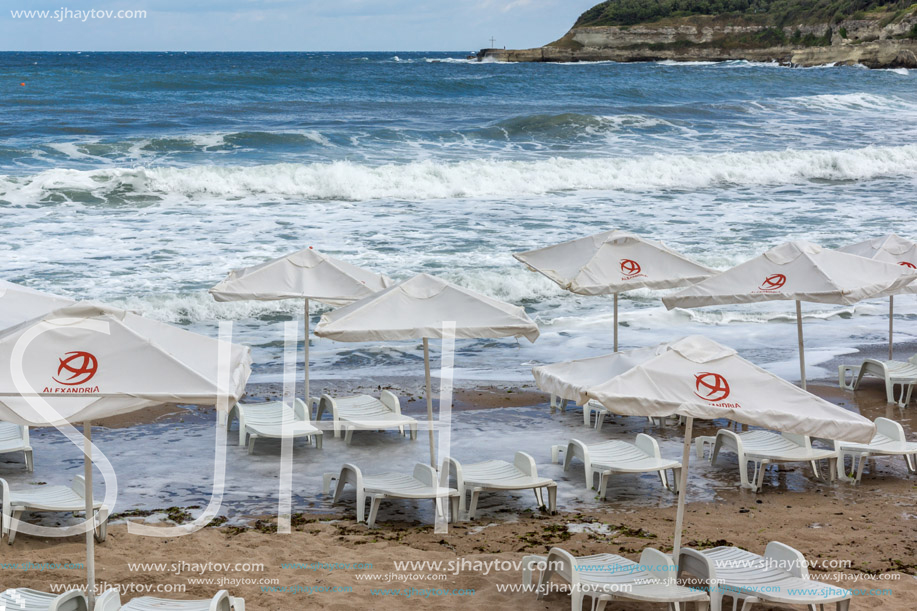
[{"x": 142, "y": 179}]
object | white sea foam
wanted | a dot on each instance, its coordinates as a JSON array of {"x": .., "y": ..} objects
[{"x": 426, "y": 180}]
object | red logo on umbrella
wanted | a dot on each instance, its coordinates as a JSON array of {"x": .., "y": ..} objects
[
  {"x": 629, "y": 267},
  {"x": 908, "y": 264},
  {"x": 711, "y": 387},
  {"x": 80, "y": 366},
  {"x": 773, "y": 282}
]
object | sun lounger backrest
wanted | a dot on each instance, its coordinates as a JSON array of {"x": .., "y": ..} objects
[
  {"x": 14, "y": 432},
  {"x": 453, "y": 468},
  {"x": 648, "y": 445},
  {"x": 301, "y": 411},
  {"x": 658, "y": 565},
  {"x": 7, "y": 510},
  {"x": 79, "y": 486},
  {"x": 526, "y": 463},
  {"x": 784, "y": 557},
  {"x": 802, "y": 441},
  {"x": 427, "y": 474},
  {"x": 390, "y": 400},
  {"x": 891, "y": 429}
]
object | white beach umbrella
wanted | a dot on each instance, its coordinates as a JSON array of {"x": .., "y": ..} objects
[
  {"x": 417, "y": 309},
  {"x": 613, "y": 262},
  {"x": 86, "y": 362},
  {"x": 571, "y": 379},
  {"x": 696, "y": 377},
  {"x": 798, "y": 271},
  {"x": 889, "y": 249},
  {"x": 306, "y": 274},
  {"x": 19, "y": 303}
]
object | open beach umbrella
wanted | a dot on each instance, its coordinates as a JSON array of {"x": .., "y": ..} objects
[
  {"x": 19, "y": 303},
  {"x": 306, "y": 274},
  {"x": 612, "y": 262},
  {"x": 889, "y": 249},
  {"x": 417, "y": 309},
  {"x": 86, "y": 362},
  {"x": 798, "y": 271},
  {"x": 696, "y": 377}
]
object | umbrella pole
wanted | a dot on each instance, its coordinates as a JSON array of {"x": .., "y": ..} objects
[
  {"x": 802, "y": 351},
  {"x": 682, "y": 488},
  {"x": 891, "y": 327},
  {"x": 306, "y": 359},
  {"x": 426, "y": 366},
  {"x": 90, "y": 534},
  {"x": 616, "y": 322}
]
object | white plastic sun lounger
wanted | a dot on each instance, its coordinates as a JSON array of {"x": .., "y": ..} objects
[
  {"x": 268, "y": 420},
  {"x": 25, "y": 599},
  {"x": 608, "y": 577},
  {"x": 494, "y": 475},
  {"x": 763, "y": 448},
  {"x": 48, "y": 498},
  {"x": 888, "y": 441},
  {"x": 421, "y": 485},
  {"x": 780, "y": 576},
  {"x": 363, "y": 412},
  {"x": 895, "y": 373},
  {"x": 15, "y": 438},
  {"x": 589, "y": 408},
  {"x": 609, "y": 457},
  {"x": 221, "y": 601}
]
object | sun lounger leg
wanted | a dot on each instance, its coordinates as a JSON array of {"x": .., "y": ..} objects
[
  {"x": 375, "y": 500},
  {"x": 576, "y": 600},
  {"x": 473, "y": 505},
  {"x": 760, "y": 468},
  {"x": 102, "y": 530},
  {"x": 552, "y": 499},
  {"x": 414, "y": 432},
  {"x": 251, "y": 443},
  {"x": 14, "y": 522},
  {"x": 599, "y": 420},
  {"x": 29, "y": 463},
  {"x": 604, "y": 476},
  {"x": 348, "y": 436},
  {"x": 911, "y": 462},
  {"x": 318, "y": 441},
  {"x": 539, "y": 498},
  {"x": 843, "y": 605},
  {"x": 454, "y": 507}
]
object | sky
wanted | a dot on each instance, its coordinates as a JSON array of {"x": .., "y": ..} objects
[{"x": 286, "y": 25}]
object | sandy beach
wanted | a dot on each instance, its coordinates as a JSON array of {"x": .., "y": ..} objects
[{"x": 858, "y": 537}]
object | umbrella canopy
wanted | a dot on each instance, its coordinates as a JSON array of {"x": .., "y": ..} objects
[
  {"x": 19, "y": 303},
  {"x": 94, "y": 362},
  {"x": 799, "y": 271},
  {"x": 612, "y": 262},
  {"x": 699, "y": 378},
  {"x": 572, "y": 379},
  {"x": 889, "y": 249},
  {"x": 306, "y": 274},
  {"x": 87, "y": 361},
  {"x": 417, "y": 308}
]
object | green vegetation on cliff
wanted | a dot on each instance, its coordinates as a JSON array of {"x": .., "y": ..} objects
[{"x": 773, "y": 12}]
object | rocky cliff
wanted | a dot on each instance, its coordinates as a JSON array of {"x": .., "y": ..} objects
[{"x": 876, "y": 40}]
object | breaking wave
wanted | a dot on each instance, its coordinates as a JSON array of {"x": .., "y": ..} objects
[{"x": 426, "y": 180}]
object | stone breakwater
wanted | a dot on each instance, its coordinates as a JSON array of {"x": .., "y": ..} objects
[{"x": 865, "y": 41}]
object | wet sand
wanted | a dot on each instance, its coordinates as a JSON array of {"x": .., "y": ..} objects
[{"x": 865, "y": 537}]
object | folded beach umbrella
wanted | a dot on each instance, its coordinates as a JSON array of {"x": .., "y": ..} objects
[
  {"x": 417, "y": 309},
  {"x": 612, "y": 262},
  {"x": 798, "y": 271},
  {"x": 306, "y": 274},
  {"x": 86, "y": 362},
  {"x": 19, "y": 303},
  {"x": 889, "y": 249},
  {"x": 696, "y": 377}
]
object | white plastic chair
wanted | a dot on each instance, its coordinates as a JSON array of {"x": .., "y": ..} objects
[
  {"x": 48, "y": 498},
  {"x": 15, "y": 438},
  {"x": 110, "y": 600},
  {"x": 608, "y": 577},
  {"x": 496, "y": 475},
  {"x": 763, "y": 448},
  {"x": 888, "y": 441},
  {"x": 363, "y": 412},
  {"x": 268, "y": 420},
  {"x": 895, "y": 373},
  {"x": 780, "y": 576},
  {"x": 25, "y": 599},
  {"x": 421, "y": 485},
  {"x": 589, "y": 408},
  {"x": 609, "y": 457}
]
